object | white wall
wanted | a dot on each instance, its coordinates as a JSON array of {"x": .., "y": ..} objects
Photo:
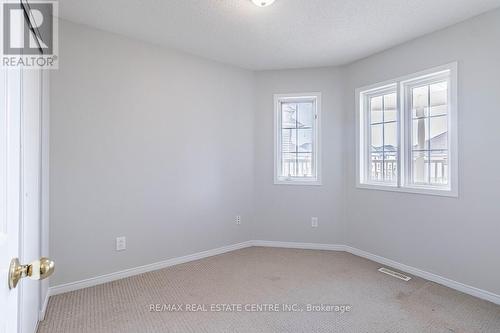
[
  {"x": 283, "y": 212},
  {"x": 146, "y": 143},
  {"x": 454, "y": 238}
]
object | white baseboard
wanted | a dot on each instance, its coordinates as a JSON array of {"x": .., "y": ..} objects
[
  {"x": 480, "y": 293},
  {"x": 489, "y": 296},
  {"x": 295, "y": 245},
  {"x": 67, "y": 287}
]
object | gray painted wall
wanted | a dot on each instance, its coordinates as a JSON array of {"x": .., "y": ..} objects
[
  {"x": 454, "y": 238},
  {"x": 121, "y": 109},
  {"x": 146, "y": 143},
  {"x": 283, "y": 212}
]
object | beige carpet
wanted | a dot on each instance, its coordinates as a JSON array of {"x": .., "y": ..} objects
[{"x": 255, "y": 276}]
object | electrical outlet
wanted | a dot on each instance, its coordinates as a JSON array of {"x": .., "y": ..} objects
[
  {"x": 121, "y": 243},
  {"x": 238, "y": 219},
  {"x": 314, "y": 222}
]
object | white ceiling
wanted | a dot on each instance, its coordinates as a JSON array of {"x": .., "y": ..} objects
[{"x": 288, "y": 34}]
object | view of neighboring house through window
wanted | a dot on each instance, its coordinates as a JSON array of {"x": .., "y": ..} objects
[
  {"x": 296, "y": 136},
  {"x": 407, "y": 133},
  {"x": 429, "y": 104}
]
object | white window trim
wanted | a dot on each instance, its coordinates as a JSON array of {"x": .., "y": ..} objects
[
  {"x": 364, "y": 155},
  {"x": 316, "y": 137},
  {"x": 403, "y": 185}
]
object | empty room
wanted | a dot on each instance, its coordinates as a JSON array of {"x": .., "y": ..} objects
[{"x": 250, "y": 166}]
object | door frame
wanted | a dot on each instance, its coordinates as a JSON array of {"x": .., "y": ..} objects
[{"x": 44, "y": 184}]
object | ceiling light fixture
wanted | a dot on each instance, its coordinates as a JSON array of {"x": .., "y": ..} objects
[{"x": 263, "y": 3}]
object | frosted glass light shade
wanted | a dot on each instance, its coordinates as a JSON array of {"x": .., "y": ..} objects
[{"x": 262, "y": 3}]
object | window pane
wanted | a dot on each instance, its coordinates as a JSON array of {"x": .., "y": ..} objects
[
  {"x": 391, "y": 137},
  {"x": 377, "y": 167},
  {"x": 439, "y": 167},
  {"x": 305, "y": 115},
  {"x": 376, "y": 110},
  {"x": 390, "y": 167},
  {"x": 305, "y": 140},
  {"x": 288, "y": 165},
  {"x": 420, "y": 167},
  {"x": 288, "y": 115},
  {"x": 439, "y": 98},
  {"x": 288, "y": 140},
  {"x": 296, "y": 137},
  {"x": 430, "y": 134},
  {"x": 304, "y": 165},
  {"x": 376, "y": 137},
  {"x": 420, "y": 134},
  {"x": 383, "y": 136},
  {"x": 390, "y": 113},
  {"x": 439, "y": 132},
  {"x": 420, "y": 101}
]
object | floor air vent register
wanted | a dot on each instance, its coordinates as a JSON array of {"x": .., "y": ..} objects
[{"x": 394, "y": 274}]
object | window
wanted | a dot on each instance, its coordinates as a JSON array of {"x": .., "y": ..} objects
[
  {"x": 383, "y": 135},
  {"x": 296, "y": 137},
  {"x": 407, "y": 133}
]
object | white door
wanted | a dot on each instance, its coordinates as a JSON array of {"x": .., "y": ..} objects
[
  {"x": 10, "y": 186},
  {"x": 20, "y": 195},
  {"x": 30, "y": 200}
]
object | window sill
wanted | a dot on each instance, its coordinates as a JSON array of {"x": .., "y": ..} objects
[
  {"x": 301, "y": 182},
  {"x": 442, "y": 192}
]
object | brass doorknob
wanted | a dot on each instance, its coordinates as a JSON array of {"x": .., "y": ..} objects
[{"x": 37, "y": 270}]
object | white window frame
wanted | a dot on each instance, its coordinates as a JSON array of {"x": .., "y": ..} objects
[
  {"x": 366, "y": 123},
  {"x": 316, "y": 158},
  {"x": 401, "y": 85}
]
